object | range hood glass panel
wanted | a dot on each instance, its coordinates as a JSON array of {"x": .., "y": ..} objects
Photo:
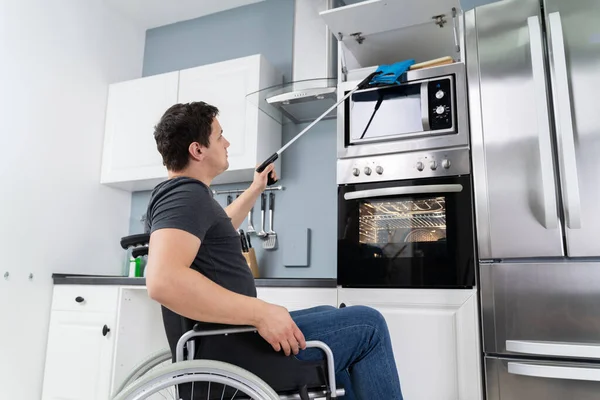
[{"x": 298, "y": 101}]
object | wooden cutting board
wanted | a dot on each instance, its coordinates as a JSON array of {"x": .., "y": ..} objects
[{"x": 433, "y": 63}]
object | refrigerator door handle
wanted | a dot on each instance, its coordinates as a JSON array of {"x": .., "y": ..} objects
[
  {"x": 564, "y": 124},
  {"x": 558, "y": 349},
  {"x": 554, "y": 372},
  {"x": 543, "y": 122}
]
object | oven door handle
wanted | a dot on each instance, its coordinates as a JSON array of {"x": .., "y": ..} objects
[{"x": 402, "y": 190}]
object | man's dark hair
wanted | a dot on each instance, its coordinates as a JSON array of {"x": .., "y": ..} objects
[{"x": 180, "y": 126}]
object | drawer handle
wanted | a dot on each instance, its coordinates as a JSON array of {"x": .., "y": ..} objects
[
  {"x": 105, "y": 330},
  {"x": 79, "y": 299},
  {"x": 554, "y": 372}
]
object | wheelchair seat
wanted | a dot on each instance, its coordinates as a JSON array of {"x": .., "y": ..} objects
[{"x": 248, "y": 350}]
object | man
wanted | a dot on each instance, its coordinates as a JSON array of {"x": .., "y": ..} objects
[{"x": 196, "y": 269}]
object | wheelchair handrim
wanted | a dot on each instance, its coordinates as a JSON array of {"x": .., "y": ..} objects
[{"x": 213, "y": 371}]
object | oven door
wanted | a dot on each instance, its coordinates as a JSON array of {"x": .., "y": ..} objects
[{"x": 406, "y": 234}]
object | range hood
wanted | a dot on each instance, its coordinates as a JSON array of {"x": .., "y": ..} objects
[{"x": 314, "y": 68}]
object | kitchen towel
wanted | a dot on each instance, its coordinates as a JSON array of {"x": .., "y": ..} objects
[{"x": 390, "y": 74}]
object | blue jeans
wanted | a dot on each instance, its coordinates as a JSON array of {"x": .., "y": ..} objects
[{"x": 360, "y": 341}]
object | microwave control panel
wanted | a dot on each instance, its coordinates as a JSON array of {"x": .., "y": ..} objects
[{"x": 440, "y": 104}]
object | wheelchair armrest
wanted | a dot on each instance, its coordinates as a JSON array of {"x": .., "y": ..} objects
[
  {"x": 236, "y": 329},
  {"x": 256, "y": 347}
]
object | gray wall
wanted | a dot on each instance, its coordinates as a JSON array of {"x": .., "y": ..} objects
[
  {"x": 265, "y": 27},
  {"x": 308, "y": 167}
]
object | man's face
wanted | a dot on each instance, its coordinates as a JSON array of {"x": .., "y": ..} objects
[{"x": 216, "y": 153}]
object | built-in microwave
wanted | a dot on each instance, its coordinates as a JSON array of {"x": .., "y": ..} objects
[{"x": 428, "y": 110}]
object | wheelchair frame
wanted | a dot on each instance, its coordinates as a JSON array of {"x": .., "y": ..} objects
[{"x": 185, "y": 342}]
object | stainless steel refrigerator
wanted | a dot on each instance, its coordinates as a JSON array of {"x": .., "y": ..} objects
[{"x": 534, "y": 95}]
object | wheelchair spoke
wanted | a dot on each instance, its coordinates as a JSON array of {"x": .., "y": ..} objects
[
  {"x": 223, "y": 393},
  {"x": 236, "y": 390}
]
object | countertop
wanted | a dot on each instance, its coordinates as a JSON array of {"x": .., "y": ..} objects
[{"x": 74, "y": 279}]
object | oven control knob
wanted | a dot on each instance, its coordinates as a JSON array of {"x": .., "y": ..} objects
[
  {"x": 440, "y": 110},
  {"x": 440, "y": 94},
  {"x": 433, "y": 165},
  {"x": 367, "y": 171},
  {"x": 420, "y": 166},
  {"x": 379, "y": 169},
  {"x": 446, "y": 163},
  {"x": 355, "y": 172}
]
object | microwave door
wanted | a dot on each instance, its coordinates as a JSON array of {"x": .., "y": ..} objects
[
  {"x": 513, "y": 163},
  {"x": 377, "y": 105},
  {"x": 574, "y": 47}
]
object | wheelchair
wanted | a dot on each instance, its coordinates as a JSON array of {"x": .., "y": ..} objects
[{"x": 233, "y": 362}]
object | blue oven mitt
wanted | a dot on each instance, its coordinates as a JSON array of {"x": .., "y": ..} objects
[{"x": 390, "y": 74}]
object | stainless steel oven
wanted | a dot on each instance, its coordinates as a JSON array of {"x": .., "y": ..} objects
[
  {"x": 405, "y": 220},
  {"x": 427, "y": 111}
]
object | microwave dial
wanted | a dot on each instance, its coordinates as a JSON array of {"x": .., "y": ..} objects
[
  {"x": 440, "y": 110},
  {"x": 440, "y": 94}
]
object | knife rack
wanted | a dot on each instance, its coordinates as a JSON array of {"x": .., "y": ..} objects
[{"x": 250, "y": 257}]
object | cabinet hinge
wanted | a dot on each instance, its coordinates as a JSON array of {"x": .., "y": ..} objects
[{"x": 440, "y": 20}]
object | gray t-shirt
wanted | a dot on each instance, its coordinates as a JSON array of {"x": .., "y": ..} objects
[{"x": 187, "y": 204}]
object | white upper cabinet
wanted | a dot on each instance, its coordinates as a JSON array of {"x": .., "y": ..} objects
[
  {"x": 253, "y": 135},
  {"x": 131, "y": 160},
  {"x": 376, "y": 32}
]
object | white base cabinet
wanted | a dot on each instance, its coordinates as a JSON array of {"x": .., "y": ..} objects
[
  {"x": 434, "y": 336},
  {"x": 130, "y": 158},
  {"x": 98, "y": 333}
]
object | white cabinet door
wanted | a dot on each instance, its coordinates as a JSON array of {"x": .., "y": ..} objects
[
  {"x": 253, "y": 134},
  {"x": 225, "y": 85},
  {"x": 130, "y": 159},
  {"x": 79, "y": 356},
  {"x": 298, "y": 298},
  {"x": 435, "y": 339}
]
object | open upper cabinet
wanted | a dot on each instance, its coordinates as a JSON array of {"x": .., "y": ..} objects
[{"x": 375, "y": 32}]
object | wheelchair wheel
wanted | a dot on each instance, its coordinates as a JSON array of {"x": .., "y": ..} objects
[
  {"x": 223, "y": 377},
  {"x": 154, "y": 360}
]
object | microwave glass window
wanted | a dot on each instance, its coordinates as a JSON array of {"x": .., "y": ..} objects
[
  {"x": 399, "y": 113},
  {"x": 403, "y": 228}
]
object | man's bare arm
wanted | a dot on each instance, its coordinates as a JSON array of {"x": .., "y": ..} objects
[
  {"x": 239, "y": 209},
  {"x": 171, "y": 282}
]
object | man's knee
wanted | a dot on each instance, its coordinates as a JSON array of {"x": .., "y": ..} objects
[{"x": 370, "y": 316}]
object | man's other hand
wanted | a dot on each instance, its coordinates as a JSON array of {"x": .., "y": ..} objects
[{"x": 278, "y": 328}]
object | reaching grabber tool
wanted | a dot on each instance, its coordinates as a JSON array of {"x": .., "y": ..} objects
[{"x": 275, "y": 156}]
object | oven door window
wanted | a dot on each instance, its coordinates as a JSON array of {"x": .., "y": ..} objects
[
  {"x": 404, "y": 228},
  {"x": 422, "y": 240}
]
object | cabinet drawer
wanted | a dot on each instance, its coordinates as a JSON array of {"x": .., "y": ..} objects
[
  {"x": 509, "y": 379},
  {"x": 85, "y": 298}
]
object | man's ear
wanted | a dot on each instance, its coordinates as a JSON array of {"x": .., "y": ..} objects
[{"x": 195, "y": 151}]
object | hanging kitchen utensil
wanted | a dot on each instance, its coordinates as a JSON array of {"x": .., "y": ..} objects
[
  {"x": 271, "y": 242},
  {"x": 229, "y": 199},
  {"x": 263, "y": 205},
  {"x": 250, "y": 228},
  {"x": 362, "y": 85}
]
